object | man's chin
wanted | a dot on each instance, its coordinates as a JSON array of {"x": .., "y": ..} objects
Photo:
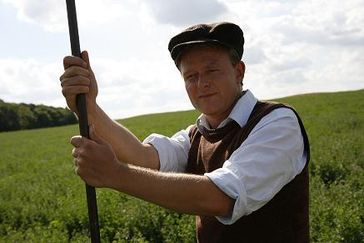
[{"x": 208, "y": 111}]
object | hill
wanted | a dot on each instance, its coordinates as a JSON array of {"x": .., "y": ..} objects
[
  {"x": 43, "y": 201},
  {"x": 21, "y": 116}
]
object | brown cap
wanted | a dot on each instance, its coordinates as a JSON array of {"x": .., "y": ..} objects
[{"x": 227, "y": 34}]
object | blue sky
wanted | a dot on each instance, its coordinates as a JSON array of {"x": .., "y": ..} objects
[{"x": 292, "y": 47}]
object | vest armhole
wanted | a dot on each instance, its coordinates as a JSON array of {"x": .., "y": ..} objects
[
  {"x": 193, "y": 132},
  {"x": 263, "y": 108}
]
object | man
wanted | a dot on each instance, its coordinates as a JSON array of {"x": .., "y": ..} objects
[{"x": 242, "y": 168}]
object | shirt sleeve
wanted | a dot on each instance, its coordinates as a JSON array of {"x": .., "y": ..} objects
[
  {"x": 271, "y": 156},
  {"x": 172, "y": 151}
]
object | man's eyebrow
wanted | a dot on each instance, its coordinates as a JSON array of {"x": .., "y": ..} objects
[
  {"x": 212, "y": 63},
  {"x": 188, "y": 73},
  {"x": 209, "y": 64}
]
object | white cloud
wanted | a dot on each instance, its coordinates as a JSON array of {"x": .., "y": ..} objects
[
  {"x": 134, "y": 87},
  {"x": 48, "y": 14},
  {"x": 301, "y": 46},
  {"x": 322, "y": 23},
  {"x": 254, "y": 55},
  {"x": 123, "y": 89},
  {"x": 187, "y": 12},
  {"x": 30, "y": 81},
  {"x": 51, "y": 15}
]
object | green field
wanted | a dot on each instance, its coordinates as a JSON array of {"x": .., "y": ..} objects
[{"x": 41, "y": 199}]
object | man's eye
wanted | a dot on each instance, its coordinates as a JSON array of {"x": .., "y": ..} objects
[{"x": 191, "y": 78}]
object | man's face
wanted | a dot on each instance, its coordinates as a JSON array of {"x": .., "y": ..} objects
[{"x": 211, "y": 80}]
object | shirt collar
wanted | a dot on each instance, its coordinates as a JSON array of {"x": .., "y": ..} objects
[{"x": 240, "y": 113}]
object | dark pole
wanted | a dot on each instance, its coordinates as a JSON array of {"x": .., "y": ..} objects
[{"x": 83, "y": 122}]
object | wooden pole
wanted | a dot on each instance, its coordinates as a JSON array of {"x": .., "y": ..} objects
[{"x": 83, "y": 121}]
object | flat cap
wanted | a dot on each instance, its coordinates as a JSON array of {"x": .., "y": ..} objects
[{"x": 224, "y": 33}]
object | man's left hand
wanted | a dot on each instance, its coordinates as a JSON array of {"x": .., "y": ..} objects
[{"x": 95, "y": 160}]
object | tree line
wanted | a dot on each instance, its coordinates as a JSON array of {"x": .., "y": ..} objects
[{"x": 27, "y": 116}]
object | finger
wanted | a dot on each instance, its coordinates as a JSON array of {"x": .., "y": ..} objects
[
  {"x": 86, "y": 58},
  {"x": 76, "y": 80},
  {"x": 74, "y": 71},
  {"x": 70, "y": 91},
  {"x": 73, "y": 61},
  {"x": 74, "y": 153},
  {"x": 76, "y": 141}
]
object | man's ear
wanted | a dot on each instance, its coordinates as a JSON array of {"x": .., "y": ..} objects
[{"x": 240, "y": 71}]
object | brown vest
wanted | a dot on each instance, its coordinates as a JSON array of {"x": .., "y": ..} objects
[{"x": 283, "y": 219}]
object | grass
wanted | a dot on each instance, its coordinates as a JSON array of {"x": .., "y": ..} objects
[{"x": 43, "y": 201}]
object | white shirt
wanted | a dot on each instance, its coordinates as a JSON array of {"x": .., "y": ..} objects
[{"x": 271, "y": 156}]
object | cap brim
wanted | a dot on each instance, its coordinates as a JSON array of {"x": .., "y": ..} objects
[{"x": 177, "y": 50}]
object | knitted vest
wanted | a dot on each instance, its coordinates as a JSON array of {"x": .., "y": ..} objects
[{"x": 283, "y": 219}]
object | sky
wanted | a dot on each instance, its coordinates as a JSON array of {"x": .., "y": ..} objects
[{"x": 291, "y": 47}]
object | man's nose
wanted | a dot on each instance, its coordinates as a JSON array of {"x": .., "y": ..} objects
[{"x": 203, "y": 81}]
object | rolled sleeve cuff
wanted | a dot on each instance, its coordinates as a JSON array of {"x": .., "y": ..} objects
[
  {"x": 227, "y": 181},
  {"x": 166, "y": 158}
]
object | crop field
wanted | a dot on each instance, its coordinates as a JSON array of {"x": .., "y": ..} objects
[{"x": 42, "y": 200}]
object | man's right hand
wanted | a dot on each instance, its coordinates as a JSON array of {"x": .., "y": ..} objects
[{"x": 78, "y": 78}]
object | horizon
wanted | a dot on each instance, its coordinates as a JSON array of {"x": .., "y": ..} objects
[{"x": 172, "y": 111}]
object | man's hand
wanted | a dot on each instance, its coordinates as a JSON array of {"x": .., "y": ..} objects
[
  {"x": 78, "y": 78},
  {"x": 95, "y": 160}
]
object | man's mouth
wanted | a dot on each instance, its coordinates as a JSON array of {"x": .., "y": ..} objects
[{"x": 203, "y": 96}]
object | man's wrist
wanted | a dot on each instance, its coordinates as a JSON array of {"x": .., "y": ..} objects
[
  {"x": 118, "y": 177},
  {"x": 93, "y": 113}
]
